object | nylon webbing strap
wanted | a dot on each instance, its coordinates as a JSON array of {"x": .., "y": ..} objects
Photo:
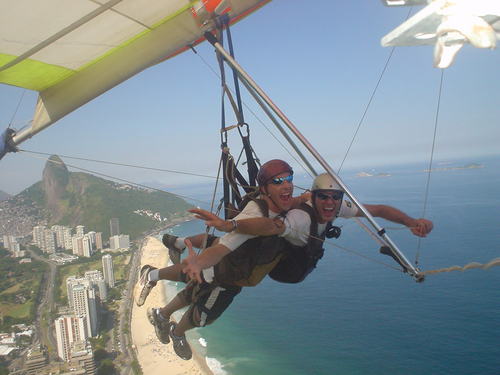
[
  {"x": 251, "y": 164},
  {"x": 231, "y": 174}
]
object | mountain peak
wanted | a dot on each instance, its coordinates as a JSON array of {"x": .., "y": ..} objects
[{"x": 55, "y": 179}]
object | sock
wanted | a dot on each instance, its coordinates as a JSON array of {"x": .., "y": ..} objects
[
  {"x": 154, "y": 275},
  {"x": 179, "y": 243}
]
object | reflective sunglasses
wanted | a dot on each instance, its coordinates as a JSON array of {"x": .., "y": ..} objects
[
  {"x": 280, "y": 180},
  {"x": 336, "y": 195}
]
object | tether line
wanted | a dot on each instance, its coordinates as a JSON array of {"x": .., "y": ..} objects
[{"x": 431, "y": 160}]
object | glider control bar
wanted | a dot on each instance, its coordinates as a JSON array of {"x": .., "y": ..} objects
[{"x": 407, "y": 266}]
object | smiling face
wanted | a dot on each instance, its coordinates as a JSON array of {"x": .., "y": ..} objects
[
  {"x": 278, "y": 193},
  {"x": 327, "y": 204}
]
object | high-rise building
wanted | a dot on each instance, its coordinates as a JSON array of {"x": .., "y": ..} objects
[
  {"x": 114, "y": 227},
  {"x": 6, "y": 241},
  {"x": 91, "y": 235},
  {"x": 107, "y": 269},
  {"x": 10, "y": 243},
  {"x": 38, "y": 236},
  {"x": 69, "y": 329},
  {"x": 84, "y": 303},
  {"x": 77, "y": 245},
  {"x": 103, "y": 289},
  {"x": 97, "y": 280},
  {"x": 119, "y": 242},
  {"x": 98, "y": 241},
  {"x": 80, "y": 230},
  {"x": 67, "y": 233},
  {"x": 82, "y": 357},
  {"x": 70, "y": 281},
  {"x": 59, "y": 231},
  {"x": 49, "y": 241},
  {"x": 87, "y": 246}
]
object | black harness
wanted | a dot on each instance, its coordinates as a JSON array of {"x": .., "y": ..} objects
[{"x": 300, "y": 261}]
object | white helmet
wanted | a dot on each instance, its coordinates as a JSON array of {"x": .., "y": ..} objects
[{"x": 325, "y": 182}]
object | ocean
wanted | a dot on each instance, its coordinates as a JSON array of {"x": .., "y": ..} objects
[{"x": 356, "y": 314}]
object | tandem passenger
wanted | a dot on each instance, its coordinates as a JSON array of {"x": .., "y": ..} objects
[{"x": 228, "y": 264}]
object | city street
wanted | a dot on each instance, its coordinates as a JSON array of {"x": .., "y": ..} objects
[
  {"x": 46, "y": 303},
  {"x": 124, "y": 315}
]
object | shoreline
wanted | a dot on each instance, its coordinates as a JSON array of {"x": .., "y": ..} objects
[{"x": 154, "y": 357}]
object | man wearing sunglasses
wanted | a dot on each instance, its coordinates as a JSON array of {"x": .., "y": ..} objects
[
  {"x": 305, "y": 228},
  {"x": 231, "y": 262}
]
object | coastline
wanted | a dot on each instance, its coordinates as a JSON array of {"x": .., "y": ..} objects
[{"x": 154, "y": 357}]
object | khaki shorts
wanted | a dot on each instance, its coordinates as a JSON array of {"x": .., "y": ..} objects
[{"x": 207, "y": 301}]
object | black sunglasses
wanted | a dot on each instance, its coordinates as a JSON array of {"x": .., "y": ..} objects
[
  {"x": 280, "y": 180},
  {"x": 336, "y": 195}
]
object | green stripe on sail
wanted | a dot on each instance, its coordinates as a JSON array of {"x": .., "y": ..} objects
[
  {"x": 141, "y": 34},
  {"x": 38, "y": 76},
  {"x": 32, "y": 74}
]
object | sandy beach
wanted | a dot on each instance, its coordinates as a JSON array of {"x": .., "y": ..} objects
[{"x": 154, "y": 357}]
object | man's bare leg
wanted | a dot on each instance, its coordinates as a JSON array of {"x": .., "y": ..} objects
[{"x": 199, "y": 241}]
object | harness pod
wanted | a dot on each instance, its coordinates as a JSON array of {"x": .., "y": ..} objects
[
  {"x": 300, "y": 261},
  {"x": 248, "y": 264}
]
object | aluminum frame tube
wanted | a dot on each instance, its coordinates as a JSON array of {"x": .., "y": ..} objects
[
  {"x": 413, "y": 271},
  {"x": 279, "y": 127}
]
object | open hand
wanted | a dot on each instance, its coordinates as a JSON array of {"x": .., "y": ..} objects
[
  {"x": 212, "y": 220},
  {"x": 190, "y": 264}
]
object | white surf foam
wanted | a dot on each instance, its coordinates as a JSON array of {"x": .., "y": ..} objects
[{"x": 215, "y": 366}]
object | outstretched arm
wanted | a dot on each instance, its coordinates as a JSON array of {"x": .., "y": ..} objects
[
  {"x": 257, "y": 226},
  {"x": 419, "y": 227},
  {"x": 193, "y": 264}
]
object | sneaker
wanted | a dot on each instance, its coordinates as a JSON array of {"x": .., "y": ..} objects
[
  {"x": 173, "y": 252},
  {"x": 144, "y": 286},
  {"x": 181, "y": 346},
  {"x": 161, "y": 325}
]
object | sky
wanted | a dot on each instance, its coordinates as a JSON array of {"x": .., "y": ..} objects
[{"x": 318, "y": 61}]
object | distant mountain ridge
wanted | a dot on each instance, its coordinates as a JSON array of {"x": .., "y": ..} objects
[
  {"x": 4, "y": 195},
  {"x": 72, "y": 199}
]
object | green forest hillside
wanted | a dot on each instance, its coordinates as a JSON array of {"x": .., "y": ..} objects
[{"x": 83, "y": 199}]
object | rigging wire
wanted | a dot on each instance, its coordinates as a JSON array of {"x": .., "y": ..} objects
[
  {"x": 207, "y": 228},
  {"x": 17, "y": 108},
  {"x": 473, "y": 265},
  {"x": 205, "y": 203},
  {"x": 123, "y": 165},
  {"x": 256, "y": 117},
  {"x": 121, "y": 179},
  {"x": 431, "y": 159},
  {"x": 370, "y": 101},
  {"x": 366, "y": 109}
]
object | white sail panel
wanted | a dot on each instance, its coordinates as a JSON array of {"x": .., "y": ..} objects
[{"x": 73, "y": 51}]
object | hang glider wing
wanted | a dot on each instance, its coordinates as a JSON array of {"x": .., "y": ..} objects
[
  {"x": 447, "y": 24},
  {"x": 73, "y": 51}
]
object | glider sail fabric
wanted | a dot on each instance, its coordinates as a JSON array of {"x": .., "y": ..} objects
[
  {"x": 447, "y": 24},
  {"x": 73, "y": 51}
]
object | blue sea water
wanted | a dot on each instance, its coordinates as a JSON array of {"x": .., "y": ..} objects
[{"x": 356, "y": 316}]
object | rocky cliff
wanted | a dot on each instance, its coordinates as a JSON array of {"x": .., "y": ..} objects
[{"x": 71, "y": 199}]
